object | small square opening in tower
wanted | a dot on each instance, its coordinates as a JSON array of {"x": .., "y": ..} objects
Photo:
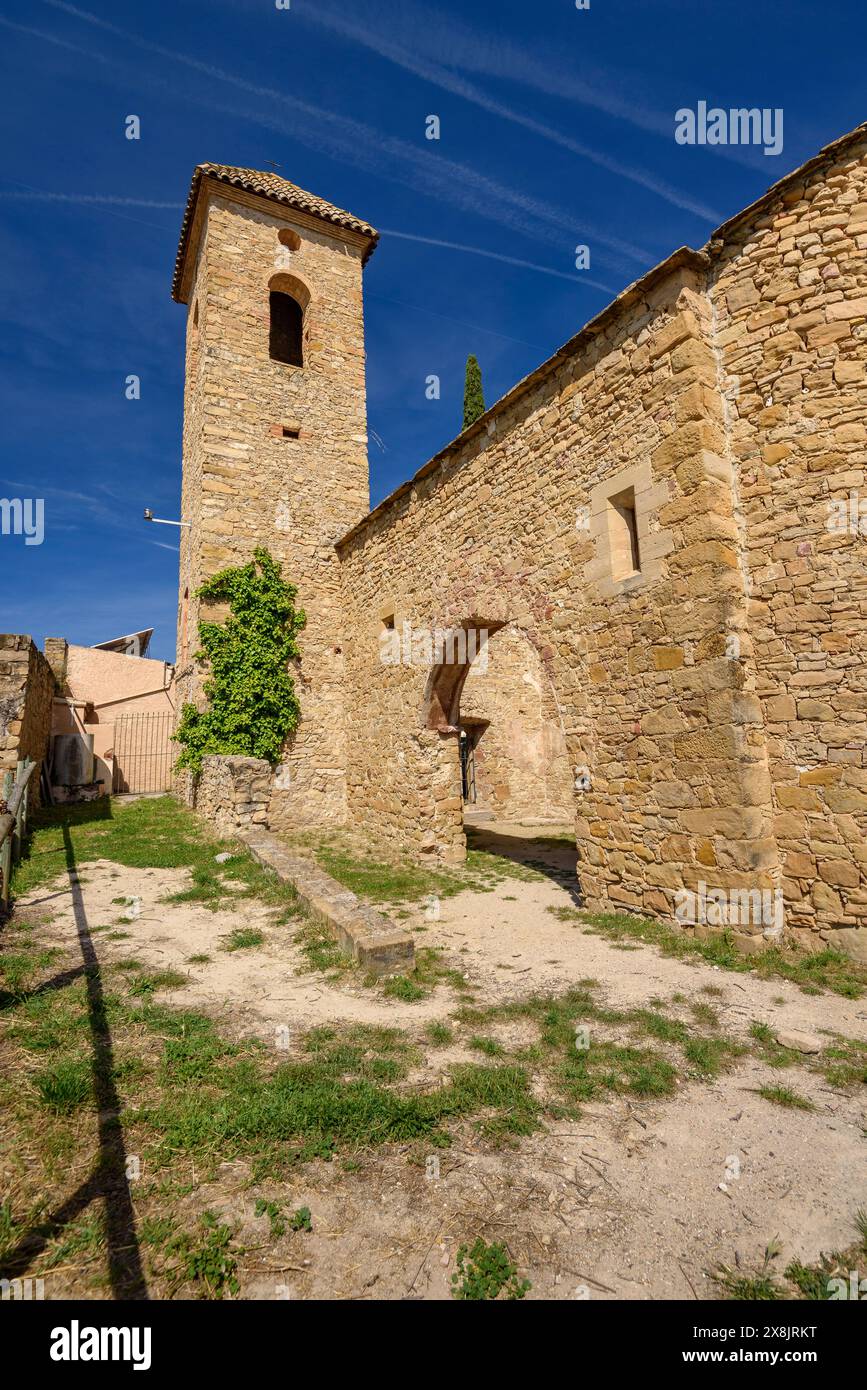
[
  {"x": 623, "y": 535},
  {"x": 291, "y": 432}
]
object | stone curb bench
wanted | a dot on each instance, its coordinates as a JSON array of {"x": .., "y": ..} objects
[{"x": 375, "y": 942}]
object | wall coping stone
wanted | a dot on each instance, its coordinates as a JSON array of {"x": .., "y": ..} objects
[{"x": 374, "y": 941}]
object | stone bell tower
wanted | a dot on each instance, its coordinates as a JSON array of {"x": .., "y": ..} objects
[{"x": 275, "y": 432}]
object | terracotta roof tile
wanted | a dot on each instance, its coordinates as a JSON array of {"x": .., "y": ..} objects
[{"x": 269, "y": 185}]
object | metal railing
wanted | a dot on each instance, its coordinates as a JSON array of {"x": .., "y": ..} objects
[{"x": 14, "y": 809}]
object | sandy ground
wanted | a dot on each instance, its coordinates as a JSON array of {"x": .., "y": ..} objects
[{"x": 635, "y": 1200}]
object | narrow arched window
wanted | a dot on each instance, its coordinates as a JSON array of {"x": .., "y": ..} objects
[{"x": 286, "y": 341}]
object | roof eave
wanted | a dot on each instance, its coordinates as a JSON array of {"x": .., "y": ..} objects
[
  {"x": 191, "y": 226},
  {"x": 683, "y": 256}
]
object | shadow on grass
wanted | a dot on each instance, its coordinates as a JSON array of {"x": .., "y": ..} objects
[
  {"x": 108, "y": 1179},
  {"x": 556, "y": 860}
]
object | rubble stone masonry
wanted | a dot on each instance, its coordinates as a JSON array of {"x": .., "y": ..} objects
[
  {"x": 234, "y": 792},
  {"x": 654, "y": 514},
  {"x": 27, "y": 687},
  {"x": 246, "y": 483},
  {"x": 509, "y": 709}
]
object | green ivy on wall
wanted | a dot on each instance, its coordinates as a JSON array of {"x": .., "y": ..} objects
[{"x": 252, "y": 705}]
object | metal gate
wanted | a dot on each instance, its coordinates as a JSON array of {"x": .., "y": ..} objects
[
  {"x": 468, "y": 766},
  {"x": 143, "y": 752}
]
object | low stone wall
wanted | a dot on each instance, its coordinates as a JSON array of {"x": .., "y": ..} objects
[
  {"x": 233, "y": 792},
  {"x": 27, "y": 687},
  {"x": 373, "y": 939}
]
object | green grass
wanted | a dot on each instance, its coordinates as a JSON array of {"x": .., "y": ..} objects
[
  {"x": 152, "y": 833},
  {"x": 708, "y": 1057},
  {"x": 147, "y": 983},
  {"x": 377, "y": 877},
  {"x": 336, "y": 1097},
  {"x": 810, "y": 1280},
  {"x": 18, "y": 969},
  {"x": 381, "y": 881},
  {"x": 242, "y": 939},
  {"x": 844, "y": 1062},
  {"x": 207, "y": 1260},
  {"x": 812, "y": 972},
  {"x": 585, "y": 1051},
  {"x": 771, "y": 1051},
  {"x": 156, "y": 832},
  {"x": 439, "y": 1034},
  {"x": 431, "y": 969},
  {"x": 486, "y": 869},
  {"x": 157, "y": 1230},
  {"x": 65, "y": 1085},
  {"x": 83, "y": 1237},
  {"x": 657, "y": 1025},
  {"x": 189, "y": 1095},
  {"x": 319, "y": 1106},
  {"x": 484, "y": 1272},
  {"x": 489, "y": 1046},
  {"x": 191, "y": 1099},
  {"x": 320, "y": 950},
  {"x": 300, "y": 1220},
  {"x": 274, "y": 1212},
  {"x": 750, "y": 1288},
  {"x": 784, "y": 1096},
  {"x": 403, "y": 988},
  {"x": 817, "y": 1282}
]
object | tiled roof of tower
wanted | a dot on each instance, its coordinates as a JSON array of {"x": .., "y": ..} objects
[{"x": 268, "y": 185}]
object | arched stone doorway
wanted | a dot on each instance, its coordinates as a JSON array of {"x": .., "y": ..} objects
[
  {"x": 514, "y": 757},
  {"x": 500, "y": 747}
]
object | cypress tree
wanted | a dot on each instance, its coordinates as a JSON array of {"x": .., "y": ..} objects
[{"x": 474, "y": 400}]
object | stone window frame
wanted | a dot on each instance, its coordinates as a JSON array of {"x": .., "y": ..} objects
[
  {"x": 388, "y": 609},
  {"x": 294, "y": 287},
  {"x": 653, "y": 545}
]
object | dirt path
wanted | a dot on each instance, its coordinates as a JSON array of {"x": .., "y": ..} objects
[{"x": 640, "y": 1198}]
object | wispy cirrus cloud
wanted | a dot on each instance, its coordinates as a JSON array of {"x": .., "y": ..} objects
[
  {"x": 427, "y": 34},
  {"x": 377, "y": 41},
  {"x": 359, "y": 144},
  {"x": 73, "y": 504},
  {"x": 496, "y": 256},
  {"x": 40, "y": 195}
]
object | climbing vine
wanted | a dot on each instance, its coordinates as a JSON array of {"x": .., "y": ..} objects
[{"x": 252, "y": 705}]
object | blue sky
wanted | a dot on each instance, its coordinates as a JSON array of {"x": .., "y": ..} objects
[{"x": 556, "y": 129}]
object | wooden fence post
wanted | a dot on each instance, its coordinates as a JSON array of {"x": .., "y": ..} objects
[
  {"x": 25, "y": 804},
  {"x": 16, "y": 833},
  {"x": 6, "y": 848}
]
